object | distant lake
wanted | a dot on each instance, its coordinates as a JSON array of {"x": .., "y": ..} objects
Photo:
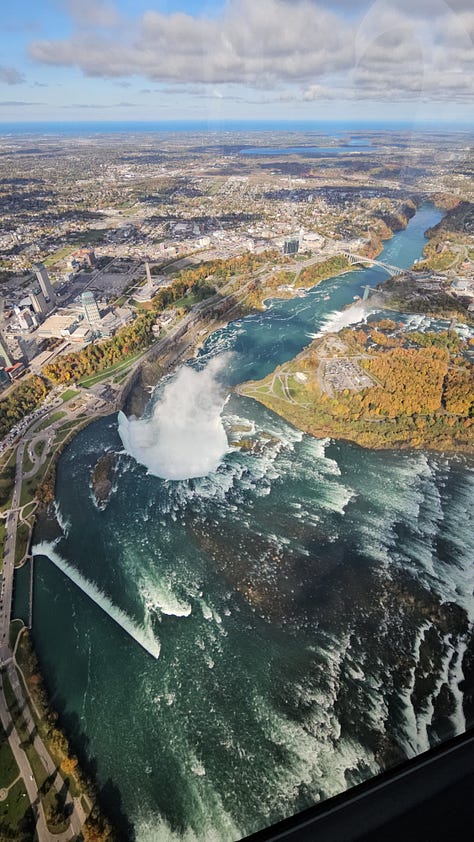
[{"x": 308, "y": 151}]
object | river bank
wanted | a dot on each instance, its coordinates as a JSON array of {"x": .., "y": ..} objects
[
  {"x": 136, "y": 391},
  {"x": 378, "y": 386},
  {"x": 264, "y": 582}
]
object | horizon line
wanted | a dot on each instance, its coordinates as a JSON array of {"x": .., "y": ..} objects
[{"x": 232, "y": 121}]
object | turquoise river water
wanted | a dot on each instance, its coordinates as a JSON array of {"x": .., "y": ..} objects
[{"x": 226, "y": 650}]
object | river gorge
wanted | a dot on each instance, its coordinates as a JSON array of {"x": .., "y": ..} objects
[{"x": 255, "y": 619}]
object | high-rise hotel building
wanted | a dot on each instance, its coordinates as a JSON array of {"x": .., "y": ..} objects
[
  {"x": 91, "y": 310},
  {"x": 45, "y": 284}
]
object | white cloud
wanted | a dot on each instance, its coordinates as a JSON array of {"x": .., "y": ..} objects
[
  {"x": 318, "y": 92},
  {"x": 382, "y": 50},
  {"x": 253, "y": 43}
]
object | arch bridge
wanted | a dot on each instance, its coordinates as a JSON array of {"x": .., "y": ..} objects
[{"x": 360, "y": 258}]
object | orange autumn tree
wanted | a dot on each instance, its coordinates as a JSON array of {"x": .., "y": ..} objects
[{"x": 411, "y": 381}]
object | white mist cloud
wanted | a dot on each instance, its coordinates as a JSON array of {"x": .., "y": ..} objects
[{"x": 184, "y": 437}]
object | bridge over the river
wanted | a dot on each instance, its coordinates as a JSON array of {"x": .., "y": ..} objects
[{"x": 360, "y": 258}]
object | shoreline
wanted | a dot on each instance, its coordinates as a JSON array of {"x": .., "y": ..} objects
[
  {"x": 135, "y": 386},
  {"x": 129, "y": 387}
]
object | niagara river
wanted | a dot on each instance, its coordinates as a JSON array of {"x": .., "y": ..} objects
[{"x": 256, "y": 620}]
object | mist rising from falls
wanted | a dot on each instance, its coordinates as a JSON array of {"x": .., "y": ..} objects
[{"x": 184, "y": 437}]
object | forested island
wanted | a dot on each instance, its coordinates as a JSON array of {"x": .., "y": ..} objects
[{"x": 380, "y": 386}]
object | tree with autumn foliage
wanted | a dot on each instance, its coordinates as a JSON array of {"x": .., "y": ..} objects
[
  {"x": 458, "y": 394},
  {"x": 26, "y": 397}
]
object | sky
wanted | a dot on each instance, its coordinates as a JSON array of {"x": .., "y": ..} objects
[{"x": 218, "y": 60}]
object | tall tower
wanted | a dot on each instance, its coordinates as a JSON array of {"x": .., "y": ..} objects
[
  {"x": 91, "y": 310},
  {"x": 43, "y": 279},
  {"x": 24, "y": 319},
  {"x": 147, "y": 270},
  {"x": 4, "y": 352},
  {"x": 28, "y": 348},
  {"x": 38, "y": 302}
]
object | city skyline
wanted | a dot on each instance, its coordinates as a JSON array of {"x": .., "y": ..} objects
[{"x": 67, "y": 60}]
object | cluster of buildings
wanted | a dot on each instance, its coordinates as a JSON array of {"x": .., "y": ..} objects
[
  {"x": 463, "y": 286},
  {"x": 37, "y": 328}
]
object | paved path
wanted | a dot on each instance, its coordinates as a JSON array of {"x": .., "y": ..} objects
[
  {"x": 44, "y": 835},
  {"x": 6, "y": 588},
  {"x": 6, "y": 660},
  {"x": 77, "y": 814}
]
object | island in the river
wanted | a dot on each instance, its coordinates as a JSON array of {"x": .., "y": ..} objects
[{"x": 380, "y": 385}]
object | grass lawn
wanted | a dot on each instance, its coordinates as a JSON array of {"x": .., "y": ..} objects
[
  {"x": 8, "y": 766},
  {"x": 278, "y": 389},
  {"x": 86, "y": 238},
  {"x": 7, "y": 482},
  {"x": 28, "y": 490},
  {"x": 68, "y": 394},
  {"x": 29, "y": 486},
  {"x": 39, "y": 447},
  {"x": 22, "y": 539},
  {"x": 68, "y": 425},
  {"x": 50, "y": 420},
  {"x": 102, "y": 375},
  {"x": 28, "y": 510},
  {"x": 187, "y": 301},
  {"x": 120, "y": 377},
  {"x": 58, "y": 255},
  {"x": 13, "y": 815},
  {"x": 28, "y": 465},
  {"x": 15, "y": 629},
  {"x": 50, "y": 802},
  {"x": 7, "y": 459},
  {"x": 66, "y": 431},
  {"x": 10, "y": 697},
  {"x": 39, "y": 772}
]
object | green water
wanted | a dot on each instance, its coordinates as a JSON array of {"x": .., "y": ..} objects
[{"x": 296, "y": 593}]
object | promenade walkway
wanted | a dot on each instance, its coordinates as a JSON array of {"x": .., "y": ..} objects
[{"x": 7, "y": 662}]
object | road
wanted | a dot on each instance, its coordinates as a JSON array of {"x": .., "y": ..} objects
[
  {"x": 30, "y": 439},
  {"x": 8, "y": 570},
  {"x": 6, "y": 588},
  {"x": 77, "y": 813},
  {"x": 78, "y": 816},
  {"x": 193, "y": 318},
  {"x": 44, "y": 835}
]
